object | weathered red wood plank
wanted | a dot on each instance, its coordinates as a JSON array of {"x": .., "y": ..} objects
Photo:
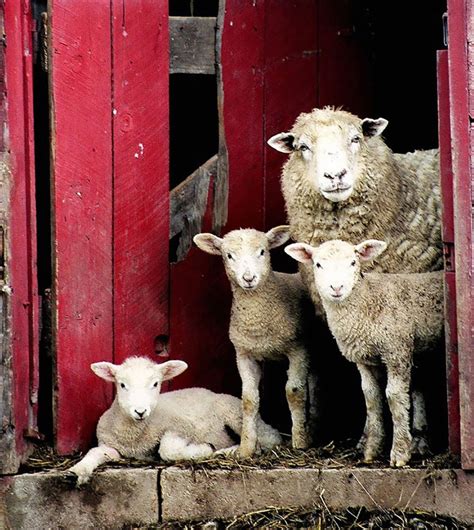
[
  {"x": 19, "y": 224},
  {"x": 459, "y": 111},
  {"x": 291, "y": 63},
  {"x": 446, "y": 174},
  {"x": 82, "y": 213},
  {"x": 141, "y": 175}
]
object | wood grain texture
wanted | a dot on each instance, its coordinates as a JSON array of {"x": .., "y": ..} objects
[
  {"x": 446, "y": 175},
  {"x": 19, "y": 364},
  {"x": 192, "y": 45},
  {"x": 141, "y": 167},
  {"x": 80, "y": 81},
  {"x": 461, "y": 153}
]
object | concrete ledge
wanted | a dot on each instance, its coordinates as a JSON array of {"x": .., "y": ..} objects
[
  {"x": 114, "y": 498},
  {"x": 204, "y": 495}
]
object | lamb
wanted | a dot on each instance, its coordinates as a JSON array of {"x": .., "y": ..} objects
[
  {"x": 341, "y": 181},
  {"x": 378, "y": 319},
  {"x": 188, "y": 424},
  {"x": 269, "y": 320}
]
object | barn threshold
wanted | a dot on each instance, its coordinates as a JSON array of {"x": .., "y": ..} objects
[{"x": 144, "y": 497}]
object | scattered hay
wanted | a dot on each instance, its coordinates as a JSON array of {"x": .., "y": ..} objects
[{"x": 274, "y": 517}]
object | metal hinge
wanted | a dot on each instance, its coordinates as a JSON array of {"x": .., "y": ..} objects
[
  {"x": 43, "y": 41},
  {"x": 444, "y": 20},
  {"x": 448, "y": 255}
]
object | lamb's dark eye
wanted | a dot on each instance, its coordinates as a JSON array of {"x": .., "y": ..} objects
[
  {"x": 262, "y": 252},
  {"x": 122, "y": 385},
  {"x": 304, "y": 147},
  {"x": 318, "y": 265},
  {"x": 353, "y": 263},
  {"x": 355, "y": 139},
  {"x": 229, "y": 255},
  {"x": 155, "y": 384}
]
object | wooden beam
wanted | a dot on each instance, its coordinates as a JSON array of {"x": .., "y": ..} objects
[
  {"x": 192, "y": 45},
  {"x": 188, "y": 205}
]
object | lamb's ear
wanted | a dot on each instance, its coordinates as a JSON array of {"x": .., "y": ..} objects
[
  {"x": 373, "y": 127},
  {"x": 278, "y": 235},
  {"x": 370, "y": 249},
  {"x": 300, "y": 252},
  {"x": 171, "y": 369},
  {"x": 209, "y": 243},
  {"x": 283, "y": 142},
  {"x": 105, "y": 370}
]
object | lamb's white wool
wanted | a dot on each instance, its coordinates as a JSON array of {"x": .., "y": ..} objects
[
  {"x": 187, "y": 424},
  {"x": 379, "y": 319},
  {"x": 269, "y": 320}
]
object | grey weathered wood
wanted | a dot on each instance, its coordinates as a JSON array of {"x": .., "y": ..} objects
[
  {"x": 221, "y": 183},
  {"x": 192, "y": 45},
  {"x": 188, "y": 203}
]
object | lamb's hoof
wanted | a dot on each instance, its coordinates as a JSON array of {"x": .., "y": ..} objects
[
  {"x": 399, "y": 459},
  {"x": 300, "y": 443},
  {"x": 419, "y": 446},
  {"x": 248, "y": 452}
]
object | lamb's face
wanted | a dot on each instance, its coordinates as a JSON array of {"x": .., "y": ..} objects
[
  {"x": 245, "y": 252},
  {"x": 138, "y": 382},
  {"x": 328, "y": 143},
  {"x": 336, "y": 265}
]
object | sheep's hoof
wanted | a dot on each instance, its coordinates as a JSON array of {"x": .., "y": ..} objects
[{"x": 399, "y": 460}]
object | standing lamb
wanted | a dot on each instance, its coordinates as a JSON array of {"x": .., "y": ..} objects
[
  {"x": 341, "y": 181},
  {"x": 378, "y": 319},
  {"x": 188, "y": 424},
  {"x": 269, "y": 320}
]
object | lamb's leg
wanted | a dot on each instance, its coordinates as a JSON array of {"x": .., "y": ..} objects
[
  {"x": 174, "y": 447},
  {"x": 374, "y": 430},
  {"x": 250, "y": 373},
  {"x": 296, "y": 394},
  {"x": 419, "y": 424},
  {"x": 313, "y": 412},
  {"x": 92, "y": 460},
  {"x": 398, "y": 396},
  {"x": 376, "y": 370}
]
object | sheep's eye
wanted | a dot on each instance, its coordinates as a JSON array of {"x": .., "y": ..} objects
[
  {"x": 319, "y": 265},
  {"x": 262, "y": 252},
  {"x": 122, "y": 385},
  {"x": 355, "y": 139},
  {"x": 304, "y": 147},
  {"x": 155, "y": 384},
  {"x": 229, "y": 255},
  {"x": 353, "y": 263}
]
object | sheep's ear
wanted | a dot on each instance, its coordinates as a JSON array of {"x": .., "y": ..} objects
[
  {"x": 171, "y": 369},
  {"x": 283, "y": 142},
  {"x": 105, "y": 370},
  {"x": 209, "y": 243},
  {"x": 300, "y": 252},
  {"x": 278, "y": 235},
  {"x": 370, "y": 249},
  {"x": 373, "y": 127}
]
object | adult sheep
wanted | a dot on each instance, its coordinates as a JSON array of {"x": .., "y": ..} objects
[{"x": 341, "y": 181}]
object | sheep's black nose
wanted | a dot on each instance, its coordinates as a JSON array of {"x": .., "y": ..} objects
[
  {"x": 341, "y": 174},
  {"x": 140, "y": 413}
]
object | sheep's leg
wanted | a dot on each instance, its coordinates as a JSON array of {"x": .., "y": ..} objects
[
  {"x": 296, "y": 394},
  {"x": 376, "y": 370},
  {"x": 398, "y": 396},
  {"x": 174, "y": 447},
  {"x": 92, "y": 460},
  {"x": 250, "y": 373},
  {"x": 374, "y": 430},
  {"x": 313, "y": 412},
  {"x": 419, "y": 424}
]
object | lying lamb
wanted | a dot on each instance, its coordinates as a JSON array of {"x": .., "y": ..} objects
[
  {"x": 269, "y": 320},
  {"x": 188, "y": 424},
  {"x": 377, "y": 319}
]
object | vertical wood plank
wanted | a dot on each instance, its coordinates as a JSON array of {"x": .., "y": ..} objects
[
  {"x": 82, "y": 213},
  {"x": 446, "y": 175},
  {"x": 141, "y": 174},
  {"x": 459, "y": 112},
  {"x": 19, "y": 359}
]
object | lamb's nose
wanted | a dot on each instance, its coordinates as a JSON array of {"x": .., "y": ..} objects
[
  {"x": 337, "y": 290},
  {"x": 140, "y": 412},
  {"x": 341, "y": 174},
  {"x": 248, "y": 277}
]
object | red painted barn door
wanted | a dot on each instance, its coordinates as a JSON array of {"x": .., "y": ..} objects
[
  {"x": 456, "y": 106},
  {"x": 109, "y": 91}
]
